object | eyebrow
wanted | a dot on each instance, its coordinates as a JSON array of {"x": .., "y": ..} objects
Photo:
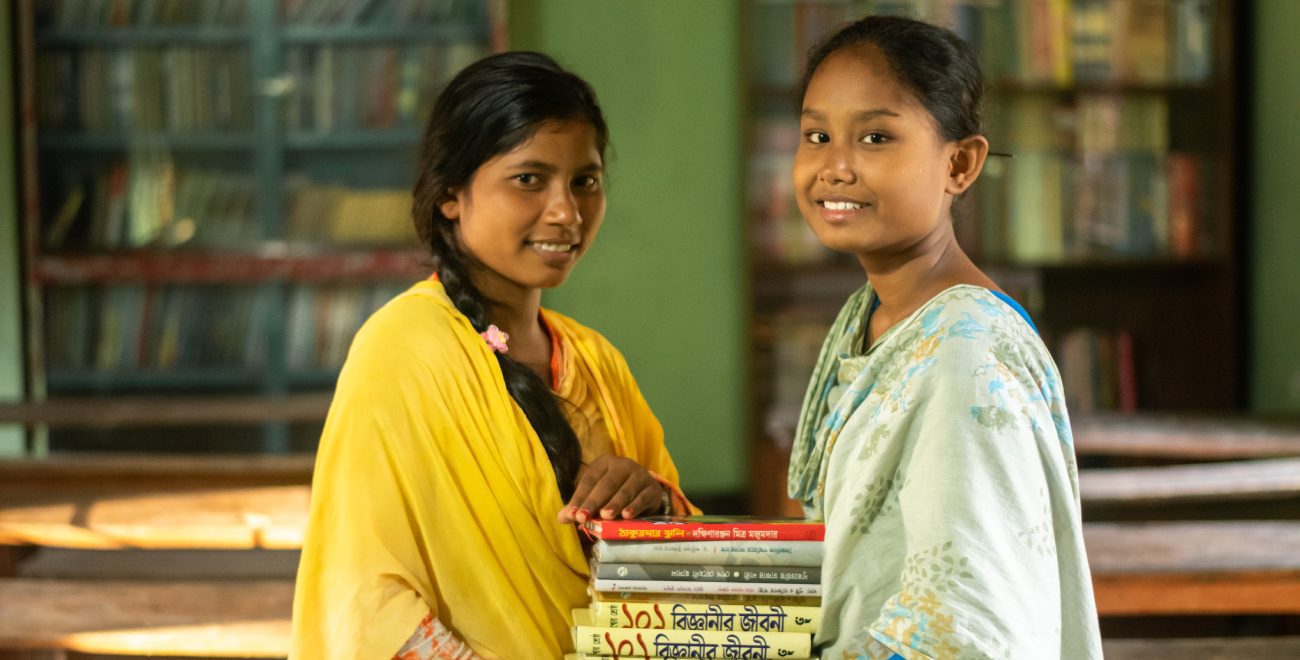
[
  {"x": 551, "y": 168},
  {"x": 859, "y": 116}
]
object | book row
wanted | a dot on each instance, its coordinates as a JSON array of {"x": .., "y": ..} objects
[
  {"x": 150, "y": 201},
  {"x": 158, "y": 328},
  {"x": 155, "y": 88},
  {"x": 1052, "y": 42},
  {"x": 378, "y": 12},
  {"x": 1099, "y": 370},
  {"x": 369, "y": 87},
  {"x": 185, "y": 89},
  {"x": 69, "y": 14},
  {"x": 1048, "y": 206}
]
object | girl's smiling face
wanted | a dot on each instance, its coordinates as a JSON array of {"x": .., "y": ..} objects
[
  {"x": 527, "y": 215},
  {"x": 872, "y": 173}
]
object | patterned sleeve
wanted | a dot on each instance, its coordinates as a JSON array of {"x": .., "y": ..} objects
[
  {"x": 982, "y": 500},
  {"x": 433, "y": 641}
]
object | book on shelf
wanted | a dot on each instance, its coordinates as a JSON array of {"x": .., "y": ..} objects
[
  {"x": 1193, "y": 53},
  {"x": 322, "y": 319},
  {"x": 1184, "y": 181},
  {"x": 699, "y": 616},
  {"x": 705, "y": 573},
  {"x": 1061, "y": 42},
  {"x": 1099, "y": 370},
  {"x": 728, "y": 553},
  {"x": 137, "y": 327},
  {"x": 148, "y": 201},
  {"x": 168, "y": 90},
  {"x": 707, "y": 528},
  {"x": 1142, "y": 37},
  {"x": 369, "y": 12},
  {"x": 338, "y": 214},
  {"x": 689, "y": 586},
  {"x": 704, "y": 599},
  {"x": 65, "y": 14},
  {"x": 374, "y": 87},
  {"x": 647, "y": 643}
]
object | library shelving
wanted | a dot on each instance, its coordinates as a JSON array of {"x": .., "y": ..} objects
[
  {"x": 216, "y": 194},
  {"x": 1114, "y": 220}
]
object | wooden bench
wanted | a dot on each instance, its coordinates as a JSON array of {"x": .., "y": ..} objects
[
  {"x": 1203, "y": 482},
  {"x": 1184, "y": 568},
  {"x": 223, "y": 502},
  {"x": 177, "y": 547},
  {"x": 1212, "y": 648},
  {"x": 1184, "y": 438},
  {"x": 245, "y": 619}
]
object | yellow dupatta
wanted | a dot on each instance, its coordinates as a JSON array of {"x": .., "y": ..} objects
[{"x": 432, "y": 494}]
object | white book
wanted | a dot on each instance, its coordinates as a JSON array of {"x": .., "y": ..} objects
[
  {"x": 676, "y": 586},
  {"x": 727, "y": 553}
]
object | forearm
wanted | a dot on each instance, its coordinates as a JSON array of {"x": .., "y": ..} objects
[{"x": 434, "y": 641}]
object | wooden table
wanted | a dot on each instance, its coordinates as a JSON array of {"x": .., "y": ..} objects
[
  {"x": 245, "y": 619},
  {"x": 1221, "y": 567},
  {"x": 153, "y": 501},
  {"x": 1202, "y": 482},
  {"x": 1184, "y": 438},
  {"x": 70, "y": 515}
]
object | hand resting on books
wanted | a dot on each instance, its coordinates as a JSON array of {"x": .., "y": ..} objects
[{"x": 612, "y": 487}]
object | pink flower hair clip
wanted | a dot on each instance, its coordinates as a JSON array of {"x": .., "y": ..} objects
[{"x": 495, "y": 339}]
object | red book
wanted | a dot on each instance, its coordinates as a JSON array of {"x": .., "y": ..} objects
[
  {"x": 1125, "y": 372},
  {"x": 707, "y": 528}
]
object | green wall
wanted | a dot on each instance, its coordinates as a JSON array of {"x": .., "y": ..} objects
[
  {"x": 664, "y": 279},
  {"x": 1275, "y": 384},
  {"x": 11, "y": 345}
]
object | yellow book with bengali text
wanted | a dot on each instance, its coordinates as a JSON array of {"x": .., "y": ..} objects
[
  {"x": 700, "y": 616},
  {"x": 647, "y": 643}
]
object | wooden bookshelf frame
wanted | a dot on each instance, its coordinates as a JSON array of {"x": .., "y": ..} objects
[{"x": 272, "y": 396}]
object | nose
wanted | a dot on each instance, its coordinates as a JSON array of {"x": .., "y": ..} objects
[
  {"x": 837, "y": 166},
  {"x": 562, "y": 208}
]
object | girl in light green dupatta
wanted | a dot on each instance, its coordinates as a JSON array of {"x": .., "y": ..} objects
[{"x": 933, "y": 439}]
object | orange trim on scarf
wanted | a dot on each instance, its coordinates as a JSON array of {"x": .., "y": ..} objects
[{"x": 557, "y": 361}]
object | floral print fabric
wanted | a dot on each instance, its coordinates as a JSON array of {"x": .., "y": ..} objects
[{"x": 941, "y": 461}]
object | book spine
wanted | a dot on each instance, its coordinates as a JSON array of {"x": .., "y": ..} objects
[
  {"x": 616, "y": 597},
  {"x": 640, "y": 530},
  {"x": 690, "y": 616},
  {"x": 637, "y": 643},
  {"x": 680, "y": 586},
  {"x": 704, "y": 573},
  {"x": 727, "y": 553}
]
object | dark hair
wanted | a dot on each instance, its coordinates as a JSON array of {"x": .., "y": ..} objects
[
  {"x": 937, "y": 66},
  {"x": 489, "y": 108}
]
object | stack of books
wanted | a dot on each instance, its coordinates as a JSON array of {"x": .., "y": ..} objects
[{"x": 701, "y": 587}]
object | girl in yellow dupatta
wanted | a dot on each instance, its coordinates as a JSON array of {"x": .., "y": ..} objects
[{"x": 470, "y": 428}]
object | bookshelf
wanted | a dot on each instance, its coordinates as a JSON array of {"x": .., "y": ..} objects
[
  {"x": 1116, "y": 222},
  {"x": 216, "y": 195}
]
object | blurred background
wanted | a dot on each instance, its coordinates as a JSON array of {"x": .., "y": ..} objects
[{"x": 201, "y": 201}]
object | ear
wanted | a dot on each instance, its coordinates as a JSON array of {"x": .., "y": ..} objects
[
  {"x": 450, "y": 205},
  {"x": 966, "y": 162}
]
